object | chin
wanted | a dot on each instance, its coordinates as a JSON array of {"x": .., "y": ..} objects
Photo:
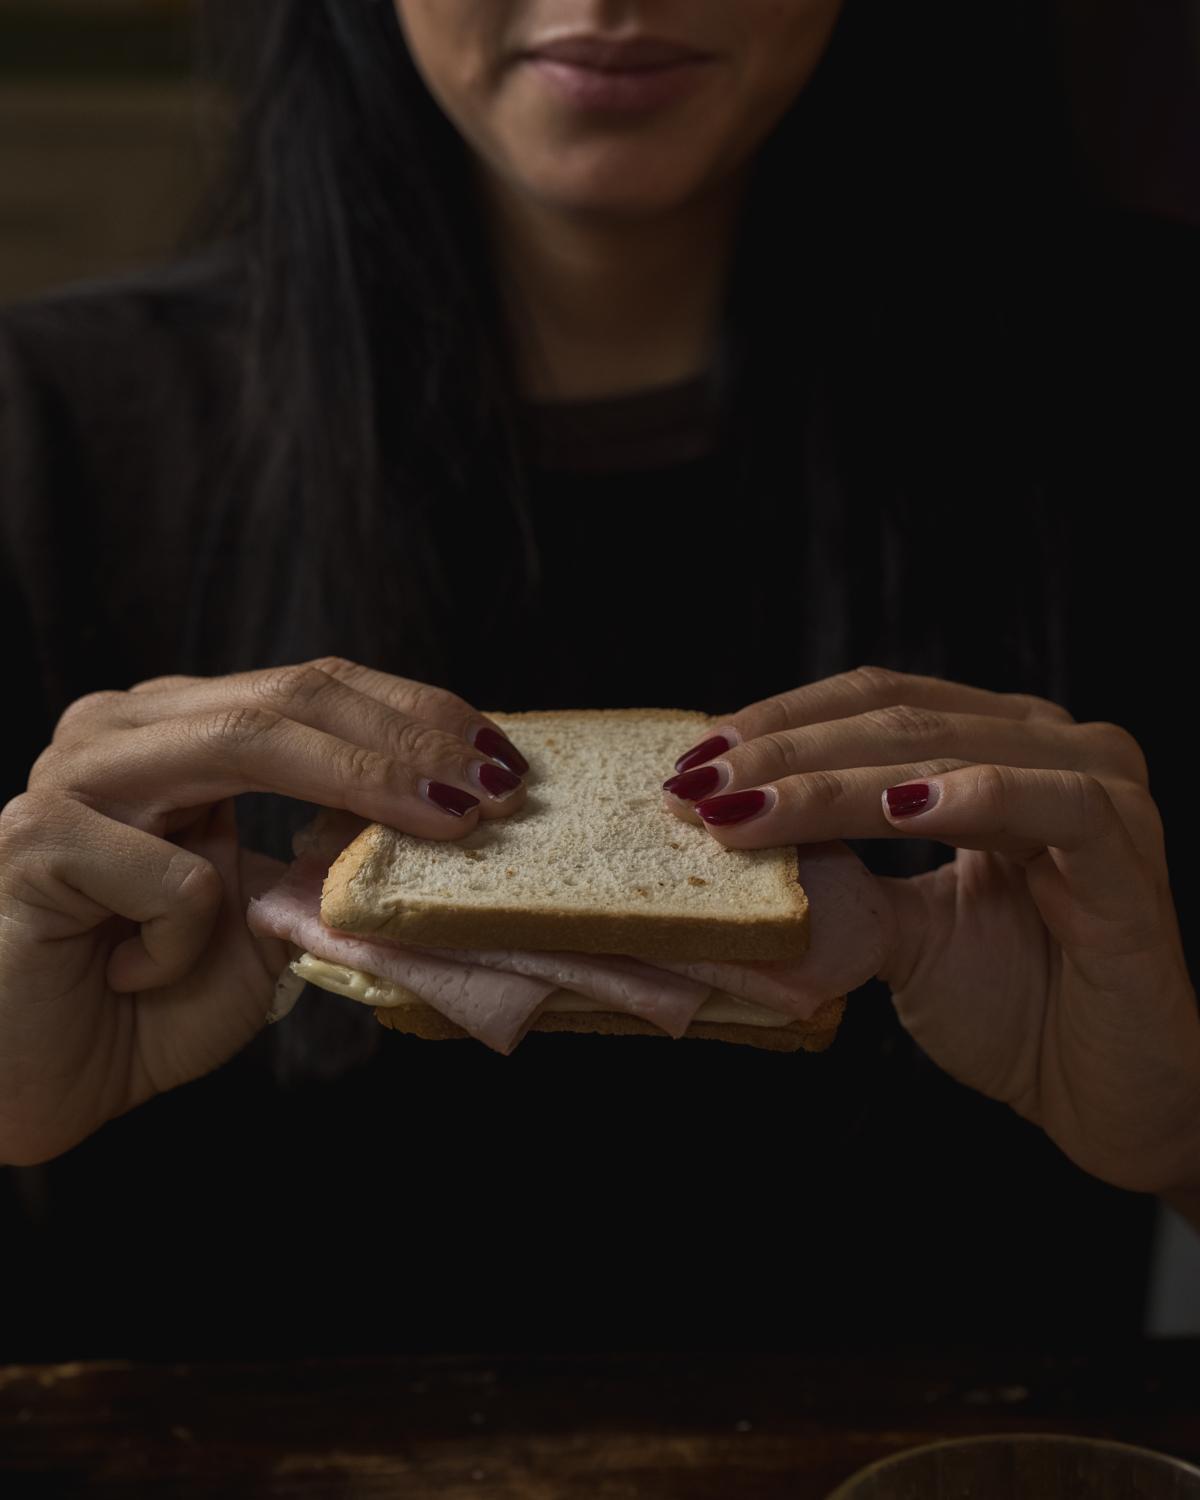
[{"x": 625, "y": 184}]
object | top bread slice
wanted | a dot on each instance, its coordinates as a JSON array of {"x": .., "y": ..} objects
[{"x": 593, "y": 862}]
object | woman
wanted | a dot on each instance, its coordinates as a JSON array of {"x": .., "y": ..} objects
[{"x": 568, "y": 353}]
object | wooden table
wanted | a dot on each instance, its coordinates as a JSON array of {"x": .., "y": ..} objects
[{"x": 556, "y": 1428}]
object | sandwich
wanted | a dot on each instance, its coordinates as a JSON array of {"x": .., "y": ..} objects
[{"x": 592, "y": 909}]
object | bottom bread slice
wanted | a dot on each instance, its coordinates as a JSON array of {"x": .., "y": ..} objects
[{"x": 421, "y": 1020}]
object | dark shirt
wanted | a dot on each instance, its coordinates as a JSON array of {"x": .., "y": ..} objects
[{"x": 582, "y": 1193}]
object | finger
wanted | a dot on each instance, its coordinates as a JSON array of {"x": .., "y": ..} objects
[
  {"x": 403, "y": 695},
  {"x": 311, "y": 695},
  {"x": 1067, "y": 818},
  {"x": 141, "y": 775},
  {"x": 905, "y": 734},
  {"x": 851, "y": 804},
  {"x": 423, "y": 700},
  {"x": 817, "y": 808},
  {"x": 1095, "y": 891},
  {"x": 857, "y": 692},
  {"x": 71, "y": 869}
]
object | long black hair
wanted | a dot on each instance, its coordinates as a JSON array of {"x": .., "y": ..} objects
[{"x": 893, "y": 260}]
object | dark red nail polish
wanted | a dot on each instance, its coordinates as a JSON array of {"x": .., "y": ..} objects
[
  {"x": 496, "y": 781},
  {"x": 707, "y": 750},
  {"x": 451, "y": 799},
  {"x": 493, "y": 743},
  {"x": 693, "y": 785},
  {"x": 904, "y": 801},
  {"x": 735, "y": 807}
]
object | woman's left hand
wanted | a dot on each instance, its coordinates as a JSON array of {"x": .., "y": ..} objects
[{"x": 1043, "y": 965}]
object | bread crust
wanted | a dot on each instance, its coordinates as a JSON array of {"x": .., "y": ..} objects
[
  {"x": 813, "y": 1035},
  {"x": 736, "y": 938}
]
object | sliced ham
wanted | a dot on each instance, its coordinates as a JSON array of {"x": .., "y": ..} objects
[
  {"x": 493, "y": 1006},
  {"x": 628, "y": 985}
]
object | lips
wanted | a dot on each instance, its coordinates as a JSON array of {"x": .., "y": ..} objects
[{"x": 636, "y": 54}]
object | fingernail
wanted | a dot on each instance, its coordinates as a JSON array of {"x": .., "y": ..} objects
[
  {"x": 908, "y": 800},
  {"x": 736, "y": 807},
  {"x": 707, "y": 750},
  {"x": 451, "y": 799},
  {"x": 495, "y": 780},
  {"x": 693, "y": 785},
  {"x": 493, "y": 743}
]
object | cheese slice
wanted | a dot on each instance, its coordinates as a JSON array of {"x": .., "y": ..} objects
[{"x": 719, "y": 1008}]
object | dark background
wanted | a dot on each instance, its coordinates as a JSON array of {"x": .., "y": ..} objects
[{"x": 105, "y": 146}]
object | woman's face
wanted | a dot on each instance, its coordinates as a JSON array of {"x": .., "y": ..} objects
[{"x": 615, "y": 106}]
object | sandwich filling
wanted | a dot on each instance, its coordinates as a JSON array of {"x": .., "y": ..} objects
[
  {"x": 495, "y": 995},
  {"x": 369, "y": 989}
]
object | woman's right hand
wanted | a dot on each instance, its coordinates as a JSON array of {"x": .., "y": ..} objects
[{"x": 126, "y": 966}]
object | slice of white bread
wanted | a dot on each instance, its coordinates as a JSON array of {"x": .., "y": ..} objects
[
  {"x": 593, "y": 862},
  {"x": 423, "y": 1021}
]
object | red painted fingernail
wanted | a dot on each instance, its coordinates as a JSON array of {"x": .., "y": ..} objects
[
  {"x": 905, "y": 801},
  {"x": 451, "y": 799},
  {"x": 493, "y": 743},
  {"x": 708, "y": 750},
  {"x": 736, "y": 807},
  {"x": 693, "y": 785},
  {"x": 495, "y": 780}
]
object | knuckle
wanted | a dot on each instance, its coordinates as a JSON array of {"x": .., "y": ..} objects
[
  {"x": 90, "y": 706},
  {"x": 368, "y": 767},
  {"x": 236, "y": 728},
  {"x": 773, "y": 715},
  {"x": 1134, "y": 798},
  {"x": 825, "y": 790},
  {"x": 774, "y": 754},
  {"x": 193, "y": 882},
  {"x": 23, "y": 824},
  {"x": 334, "y": 666},
  {"x": 1120, "y": 748},
  {"x": 429, "y": 702},
  {"x": 942, "y": 767},
  {"x": 422, "y": 743},
  {"x": 1091, "y": 796},
  {"x": 160, "y": 684},
  {"x": 991, "y": 788},
  {"x": 877, "y": 684},
  {"x": 1041, "y": 708},
  {"x": 1083, "y": 799},
  {"x": 289, "y": 688},
  {"x": 905, "y": 721},
  {"x": 47, "y": 768}
]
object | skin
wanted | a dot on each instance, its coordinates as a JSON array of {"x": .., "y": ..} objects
[
  {"x": 613, "y": 236},
  {"x": 126, "y": 966},
  {"x": 125, "y": 963},
  {"x": 1055, "y": 917}
]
